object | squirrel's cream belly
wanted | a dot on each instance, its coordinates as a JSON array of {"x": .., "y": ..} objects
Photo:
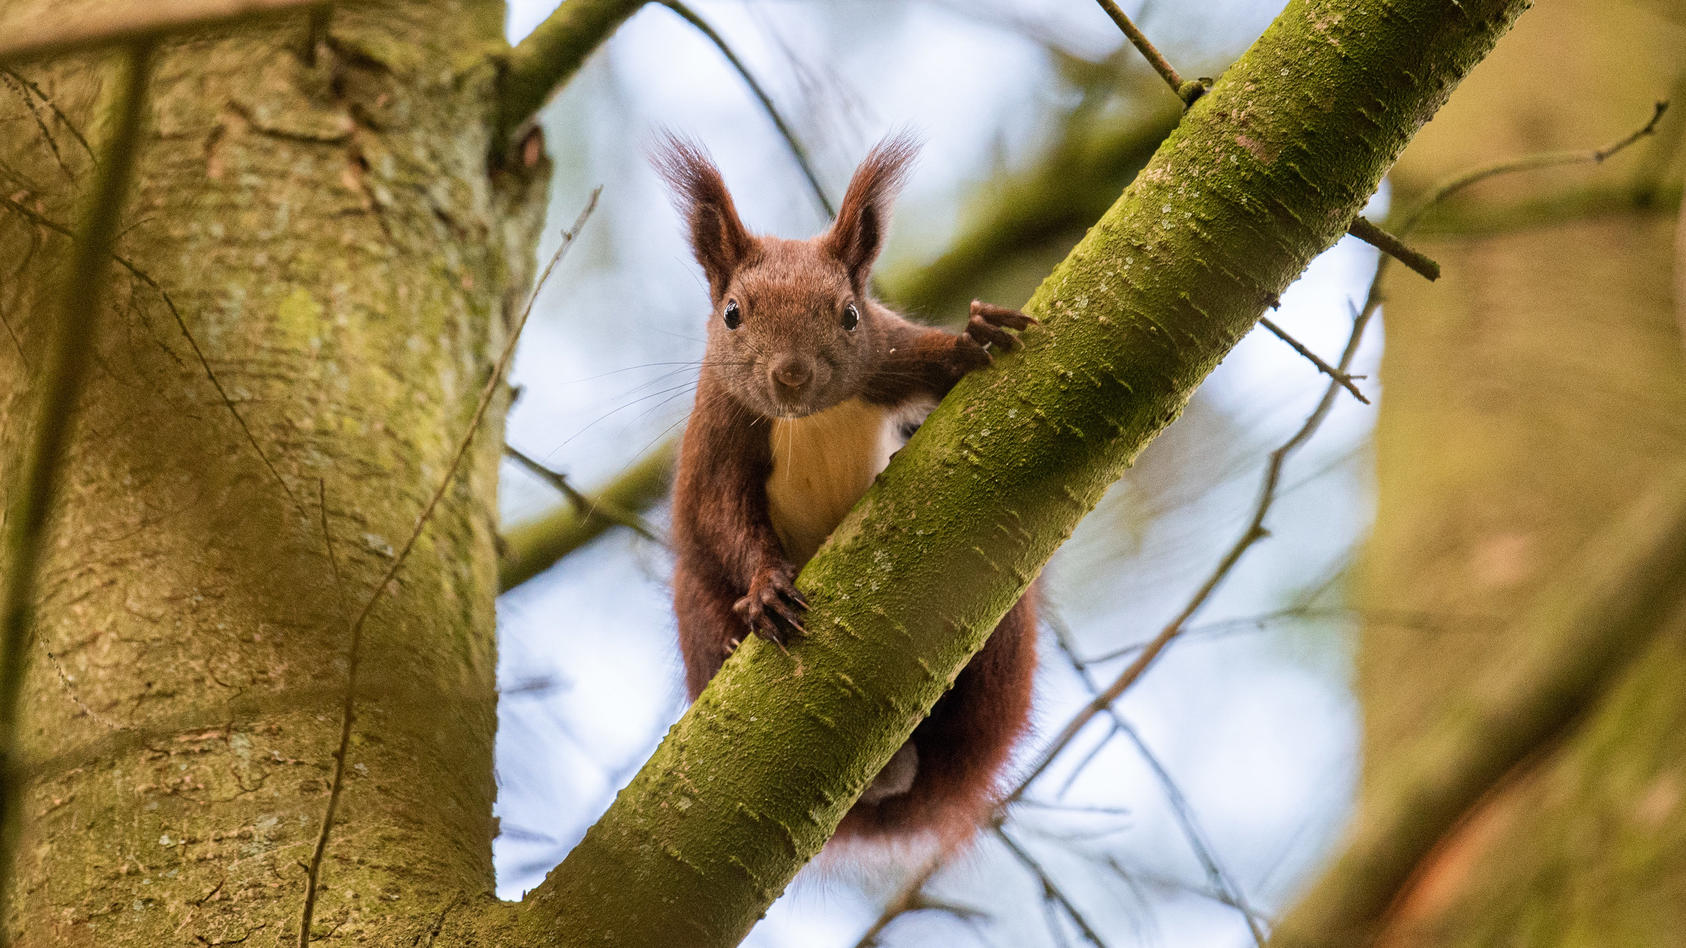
[{"x": 824, "y": 462}]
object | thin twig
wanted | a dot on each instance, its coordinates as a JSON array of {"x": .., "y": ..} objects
[
  {"x": 355, "y": 635},
  {"x": 796, "y": 150},
  {"x": 1529, "y": 163},
  {"x": 1186, "y": 91},
  {"x": 1371, "y": 233},
  {"x": 1189, "y": 91},
  {"x": 118, "y": 23},
  {"x": 585, "y": 506},
  {"x": 62, "y": 378},
  {"x": 1050, "y": 890},
  {"x": 1343, "y": 378},
  {"x": 1204, "y": 851}
]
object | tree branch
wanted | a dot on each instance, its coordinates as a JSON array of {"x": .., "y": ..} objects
[
  {"x": 117, "y": 23},
  {"x": 552, "y": 53},
  {"x": 1188, "y": 92},
  {"x": 907, "y": 589},
  {"x": 61, "y": 378}
]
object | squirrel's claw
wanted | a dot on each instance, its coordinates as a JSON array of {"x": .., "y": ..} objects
[
  {"x": 988, "y": 326},
  {"x": 773, "y": 606}
]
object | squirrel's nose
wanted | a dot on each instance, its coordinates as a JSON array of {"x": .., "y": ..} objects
[{"x": 791, "y": 373}]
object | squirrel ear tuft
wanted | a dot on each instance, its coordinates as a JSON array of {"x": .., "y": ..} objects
[
  {"x": 718, "y": 236},
  {"x": 858, "y": 233}
]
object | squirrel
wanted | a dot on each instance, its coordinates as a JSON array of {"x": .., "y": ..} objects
[{"x": 807, "y": 387}]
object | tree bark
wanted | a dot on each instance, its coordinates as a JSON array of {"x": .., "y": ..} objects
[
  {"x": 325, "y": 223},
  {"x": 1528, "y": 398},
  {"x": 1264, "y": 172}
]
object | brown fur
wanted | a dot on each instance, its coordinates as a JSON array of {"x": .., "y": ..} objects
[{"x": 733, "y": 576}]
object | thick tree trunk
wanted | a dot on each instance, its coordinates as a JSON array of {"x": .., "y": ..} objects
[
  {"x": 325, "y": 223},
  {"x": 1530, "y": 397}
]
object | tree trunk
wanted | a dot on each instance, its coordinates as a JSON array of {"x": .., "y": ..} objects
[
  {"x": 325, "y": 223},
  {"x": 1530, "y": 396}
]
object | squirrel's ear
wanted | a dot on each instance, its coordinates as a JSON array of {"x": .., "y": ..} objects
[
  {"x": 858, "y": 233},
  {"x": 718, "y": 236}
]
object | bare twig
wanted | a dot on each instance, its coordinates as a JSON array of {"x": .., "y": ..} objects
[
  {"x": 1051, "y": 890},
  {"x": 1219, "y": 877},
  {"x": 531, "y": 547},
  {"x": 118, "y": 23},
  {"x": 796, "y": 150},
  {"x": 355, "y": 635},
  {"x": 61, "y": 378},
  {"x": 1550, "y": 159},
  {"x": 1191, "y": 90},
  {"x": 1186, "y": 91},
  {"x": 1344, "y": 379},
  {"x": 1368, "y": 231},
  {"x": 585, "y": 506}
]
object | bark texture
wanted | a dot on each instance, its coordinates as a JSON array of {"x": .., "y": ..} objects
[
  {"x": 1263, "y": 173},
  {"x": 1530, "y": 396},
  {"x": 324, "y": 221}
]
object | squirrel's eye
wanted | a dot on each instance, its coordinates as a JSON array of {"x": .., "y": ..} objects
[
  {"x": 734, "y": 316},
  {"x": 851, "y": 317}
]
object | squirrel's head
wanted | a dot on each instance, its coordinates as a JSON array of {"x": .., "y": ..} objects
[{"x": 792, "y": 331}]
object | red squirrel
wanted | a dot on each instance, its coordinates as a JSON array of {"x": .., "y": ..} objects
[{"x": 808, "y": 386}]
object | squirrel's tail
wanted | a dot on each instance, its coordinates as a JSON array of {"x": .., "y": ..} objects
[{"x": 963, "y": 746}]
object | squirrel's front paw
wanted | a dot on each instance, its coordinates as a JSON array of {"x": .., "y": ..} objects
[
  {"x": 774, "y": 606},
  {"x": 987, "y": 327}
]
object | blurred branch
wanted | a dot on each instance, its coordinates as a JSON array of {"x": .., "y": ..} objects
[
  {"x": 1473, "y": 216},
  {"x": 115, "y": 23},
  {"x": 534, "y": 546},
  {"x": 1606, "y": 605},
  {"x": 1534, "y": 162},
  {"x": 796, "y": 150},
  {"x": 583, "y": 505},
  {"x": 61, "y": 380},
  {"x": 550, "y": 55},
  {"x": 1052, "y": 894}
]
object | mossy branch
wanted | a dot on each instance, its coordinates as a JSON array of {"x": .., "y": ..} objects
[
  {"x": 1264, "y": 172},
  {"x": 552, "y": 53}
]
